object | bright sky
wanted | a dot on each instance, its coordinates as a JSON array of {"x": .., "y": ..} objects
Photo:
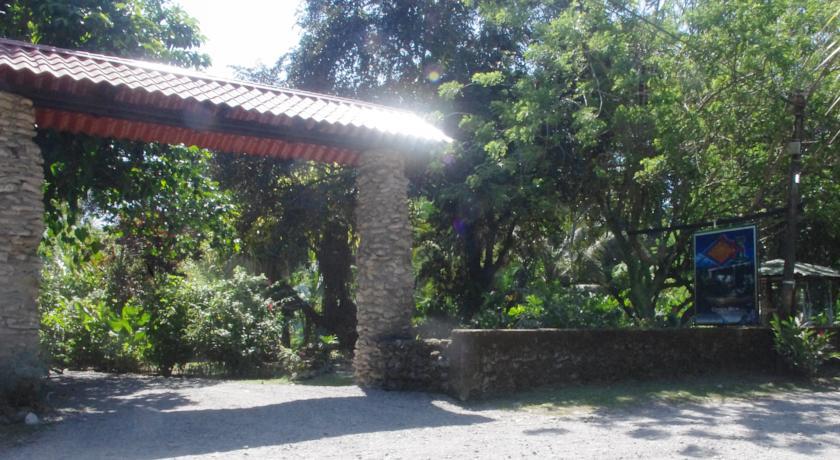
[{"x": 244, "y": 32}]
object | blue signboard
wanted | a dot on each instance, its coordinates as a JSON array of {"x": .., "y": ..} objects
[{"x": 725, "y": 276}]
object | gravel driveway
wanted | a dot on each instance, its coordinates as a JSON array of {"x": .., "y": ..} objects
[{"x": 131, "y": 417}]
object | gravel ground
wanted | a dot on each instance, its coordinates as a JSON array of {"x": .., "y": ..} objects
[{"x": 133, "y": 417}]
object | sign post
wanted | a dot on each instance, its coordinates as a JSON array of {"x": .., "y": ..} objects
[{"x": 725, "y": 276}]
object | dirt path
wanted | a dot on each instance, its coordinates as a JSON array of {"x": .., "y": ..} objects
[{"x": 130, "y": 417}]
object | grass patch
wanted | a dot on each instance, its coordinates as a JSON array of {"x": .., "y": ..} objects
[
  {"x": 332, "y": 379},
  {"x": 589, "y": 398}
]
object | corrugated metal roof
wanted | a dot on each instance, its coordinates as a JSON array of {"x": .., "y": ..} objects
[
  {"x": 776, "y": 267},
  {"x": 110, "y": 97}
]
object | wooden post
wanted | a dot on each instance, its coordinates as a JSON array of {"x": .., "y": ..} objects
[{"x": 795, "y": 151}]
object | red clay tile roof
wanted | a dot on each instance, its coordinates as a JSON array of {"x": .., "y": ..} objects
[{"x": 107, "y": 96}]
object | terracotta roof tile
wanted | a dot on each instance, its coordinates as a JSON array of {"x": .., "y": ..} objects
[{"x": 165, "y": 87}]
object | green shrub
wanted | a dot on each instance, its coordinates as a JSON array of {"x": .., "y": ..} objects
[
  {"x": 311, "y": 359},
  {"x": 81, "y": 325},
  {"x": 554, "y": 306},
  {"x": 236, "y": 324},
  {"x": 173, "y": 303},
  {"x": 802, "y": 347},
  {"x": 106, "y": 311}
]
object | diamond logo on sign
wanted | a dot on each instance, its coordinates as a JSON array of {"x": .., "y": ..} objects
[{"x": 724, "y": 250}]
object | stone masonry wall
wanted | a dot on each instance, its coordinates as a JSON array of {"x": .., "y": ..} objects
[
  {"x": 476, "y": 364},
  {"x": 21, "y": 227},
  {"x": 384, "y": 296},
  {"x": 415, "y": 365},
  {"x": 491, "y": 362}
]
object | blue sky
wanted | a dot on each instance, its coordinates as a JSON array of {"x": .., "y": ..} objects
[{"x": 244, "y": 32}]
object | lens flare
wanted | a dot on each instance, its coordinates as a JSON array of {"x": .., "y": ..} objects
[
  {"x": 459, "y": 226},
  {"x": 434, "y": 72}
]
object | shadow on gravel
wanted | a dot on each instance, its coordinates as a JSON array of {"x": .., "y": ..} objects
[
  {"x": 151, "y": 434},
  {"x": 98, "y": 392},
  {"x": 762, "y": 421},
  {"x": 133, "y": 418},
  {"x": 660, "y": 410}
]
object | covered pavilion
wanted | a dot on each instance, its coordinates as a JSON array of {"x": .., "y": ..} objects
[
  {"x": 43, "y": 87},
  {"x": 816, "y": 288}
]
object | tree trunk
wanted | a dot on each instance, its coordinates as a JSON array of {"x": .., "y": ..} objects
[{"x": 334, "y": 257}]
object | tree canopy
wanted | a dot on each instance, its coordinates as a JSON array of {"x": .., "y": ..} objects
[{"x": 581, "y": 123}]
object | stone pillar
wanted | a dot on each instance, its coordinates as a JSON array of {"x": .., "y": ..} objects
[
  {"x": 385, "y": 292},
  {"x": 21, "y": 227}
]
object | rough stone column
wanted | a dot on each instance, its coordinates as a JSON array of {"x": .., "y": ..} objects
[
  {"x": 384, "y": 296},
  {"x": 21, "y": 227}
]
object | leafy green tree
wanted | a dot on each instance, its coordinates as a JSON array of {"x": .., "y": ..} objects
[
  {"x": 294, "y": 214},
  {"x": 674, "y": 113},
  {"x": 139, "y": 29},
  {"x": 168, "y": 208},
  {"x": 158, "y": 197},
  {"x": 76, "y": 166},
  {"x": 393, "y": 52},
  {"x": 474, "y": 213}
]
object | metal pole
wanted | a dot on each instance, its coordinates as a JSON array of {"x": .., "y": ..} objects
[{"x": 795, "y": 151}]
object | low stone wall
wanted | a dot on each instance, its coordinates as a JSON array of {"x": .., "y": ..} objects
[
  {"x": 490, "y": 362},
  {"x": 415, "y": 364}
]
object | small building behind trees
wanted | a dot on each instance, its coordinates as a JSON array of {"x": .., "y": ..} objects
[{"x": 816, "y": 290}]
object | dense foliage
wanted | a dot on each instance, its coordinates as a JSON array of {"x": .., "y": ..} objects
[
  {"x": 236, "y": 323},
  {"x": 668, "y": 114},
  {"x": 580, "y": 122},
  {"x": 803, "y": 348},
  {"x": 96, "y": 315}
]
